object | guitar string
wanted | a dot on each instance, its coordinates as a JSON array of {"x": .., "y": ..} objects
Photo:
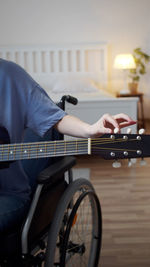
[
  {"x": 32, "y": 151},
  {"x": 23, "y": 156},
  {"x": 115, "y": 149},
  {"x": 34, "y": 147},
  {"x": 35, "y": 151},
  {"x": 62, "y": 143},
  {"x": 81, "y": 140}
]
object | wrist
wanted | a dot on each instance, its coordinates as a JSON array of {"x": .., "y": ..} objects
[{"x": 90, "y": 131}]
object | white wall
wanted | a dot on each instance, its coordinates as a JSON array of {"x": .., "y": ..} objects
[{"x": 123, "y": 24}]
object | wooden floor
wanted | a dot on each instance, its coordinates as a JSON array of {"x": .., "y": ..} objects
[{"x": 124, "y": 194}]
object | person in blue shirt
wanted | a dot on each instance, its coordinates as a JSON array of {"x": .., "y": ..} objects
[{"x": 24, "y": 104}]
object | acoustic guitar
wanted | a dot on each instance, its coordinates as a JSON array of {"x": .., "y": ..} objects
[{"x": 108, "y": 146}]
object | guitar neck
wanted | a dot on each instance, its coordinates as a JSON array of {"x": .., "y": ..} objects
[
  {"x": 116, "y": 146},
  {"x": 11, "y": 152}
]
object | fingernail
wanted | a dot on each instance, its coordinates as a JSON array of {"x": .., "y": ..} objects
[{"x": 116, "y": 130}]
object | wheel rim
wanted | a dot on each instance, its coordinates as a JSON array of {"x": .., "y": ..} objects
[
  {"x": 60, "y": 222},
  {"x": 81, "y": 233}
]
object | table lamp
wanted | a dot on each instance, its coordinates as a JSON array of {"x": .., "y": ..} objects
[{"x": 124, "y": 62}]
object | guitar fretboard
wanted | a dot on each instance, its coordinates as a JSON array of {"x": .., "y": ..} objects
[{"x": 11, "y": 152}]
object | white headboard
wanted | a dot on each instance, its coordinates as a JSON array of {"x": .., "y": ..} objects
[{"x": 45, "y": 60}]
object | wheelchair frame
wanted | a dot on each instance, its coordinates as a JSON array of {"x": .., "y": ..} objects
[{"x": 42, "y": 251}]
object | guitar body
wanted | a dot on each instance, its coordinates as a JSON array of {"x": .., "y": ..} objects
[{"x": 4, "y": 139}]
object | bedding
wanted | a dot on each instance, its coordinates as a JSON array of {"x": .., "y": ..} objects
[
  {"x": 80, "y": 86},
  {"x": 73, "y": 84}
]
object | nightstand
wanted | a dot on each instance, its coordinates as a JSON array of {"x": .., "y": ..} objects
[{"x": 141, "y": 120}]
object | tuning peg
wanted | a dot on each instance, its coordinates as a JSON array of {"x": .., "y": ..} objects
[
  {"x": 141, "y": 131},
  {"x": 116, "y": 130},
  {"x": 143, "y": 162},
  {"x": 130, "y": 163},
  {"x": 129, "y": 131},
  {"x": 133, "y": 160},
  {"x": 116, "y": 164}
]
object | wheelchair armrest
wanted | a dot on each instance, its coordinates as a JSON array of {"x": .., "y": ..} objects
[{"x": 56, "y": 169}]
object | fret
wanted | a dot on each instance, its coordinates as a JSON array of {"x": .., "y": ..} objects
[
  {"x": 26, "y": 152},
  {"x": 83, "y": 147},
  {"x": 10, "y": 152},
  {"x": 49, "y": 149},
  {"x": 76, "y": 146},
  {"x": 46, "y": 148},
  {"x": 37, "y": 150},
  {"x": 14, "y": 151},
  {"x": 59, "y": 147},
  {"x": 42, "y": 150},
  {"x": 54, "y": 148},
  {"x": 29, "y": 151},
  {"x": 32, "y": 151},
  {"x": 21, "y": 151},
  {"x": 1, "y": 152},
  {"x": 73, "y": 147},
  {"x": 65, "y": 147}
]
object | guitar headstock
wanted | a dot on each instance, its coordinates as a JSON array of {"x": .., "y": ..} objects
[{"x": 122, "y": 146}]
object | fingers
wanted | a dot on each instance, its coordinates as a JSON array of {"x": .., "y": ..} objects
[
  {"x": 110, "y": 124},
  {"x": 105, "y": 131},
  {"x": 108, "y": 119},
  {"x": 124, "y": 118},
  {"x": 117, "y": 122},
  {"x": 125, "y": 124}
]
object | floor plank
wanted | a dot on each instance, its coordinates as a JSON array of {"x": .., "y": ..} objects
[{"x": 124, "y": 194}]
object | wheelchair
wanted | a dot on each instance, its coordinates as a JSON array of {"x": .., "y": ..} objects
[{"x": 63, "y": 226}]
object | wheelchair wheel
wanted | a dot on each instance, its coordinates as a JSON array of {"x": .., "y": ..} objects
[{"x": 75, "y": 235}]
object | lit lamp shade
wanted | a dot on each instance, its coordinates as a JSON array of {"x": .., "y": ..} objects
[{"x": 124, "y": 61}]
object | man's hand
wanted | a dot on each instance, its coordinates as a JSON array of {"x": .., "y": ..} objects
[
  {"x": 73, "y": 126},
  {"x": 107, "y": 124}
]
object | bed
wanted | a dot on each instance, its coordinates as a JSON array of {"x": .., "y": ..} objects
[{"x": 79, "y": 70}]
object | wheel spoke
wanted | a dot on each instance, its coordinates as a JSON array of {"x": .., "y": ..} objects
[{"x": 77, "y": 245}]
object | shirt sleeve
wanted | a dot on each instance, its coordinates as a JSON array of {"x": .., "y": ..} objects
[{"x": 42, "y": 112}]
